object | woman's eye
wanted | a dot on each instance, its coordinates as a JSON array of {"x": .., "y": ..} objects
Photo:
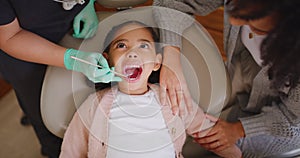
[
  {"x": 144, "y": 45},
  {"x": 121, "y": 45}
]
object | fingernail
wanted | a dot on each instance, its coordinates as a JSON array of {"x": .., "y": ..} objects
[
  {"x": 175, "y": 111},
  {"x": 76, "y": 31}
]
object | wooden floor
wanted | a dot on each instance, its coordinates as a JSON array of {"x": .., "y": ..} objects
[{"x": 19, "y": 141}]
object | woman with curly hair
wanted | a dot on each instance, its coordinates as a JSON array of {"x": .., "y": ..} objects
[
  {"x": 263, "y": 47},
  {"x": 262, "y": 43}
]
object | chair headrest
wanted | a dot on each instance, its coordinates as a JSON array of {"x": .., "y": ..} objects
[{"x": 120, "y": 3}]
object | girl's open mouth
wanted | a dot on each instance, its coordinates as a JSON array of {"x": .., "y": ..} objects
[{"x": 133, "y": 72}]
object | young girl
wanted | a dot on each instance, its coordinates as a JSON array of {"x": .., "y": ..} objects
[{"x": 128, "y": 120}]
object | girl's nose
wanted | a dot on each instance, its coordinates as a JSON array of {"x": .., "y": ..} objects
[{"x": 132, "y": 54}]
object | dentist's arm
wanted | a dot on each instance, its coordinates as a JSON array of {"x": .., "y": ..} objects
[{"x": 30, "y": 47}]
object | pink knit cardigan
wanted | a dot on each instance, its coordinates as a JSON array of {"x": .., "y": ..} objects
[{"x": 87, "y": 133}]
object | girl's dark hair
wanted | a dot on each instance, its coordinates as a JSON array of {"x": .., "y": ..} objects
[
  {"x": 111, "y": 35},
  {"x": 281, "y": 48}
]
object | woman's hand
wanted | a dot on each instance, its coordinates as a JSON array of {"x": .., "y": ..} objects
[
  {"x": 173, "y": 83},
  {"x": 221, "y": 136},
  {"x": 90, "y": 22}
]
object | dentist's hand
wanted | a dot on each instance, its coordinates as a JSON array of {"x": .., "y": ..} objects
[
  {"x": 90, "y": 22},
  {"x": 93, "y": 73}
]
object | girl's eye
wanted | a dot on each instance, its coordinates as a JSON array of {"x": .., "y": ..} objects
[
  {"x": 144, "y": 45},
  {"x": 121, "y": 45}
]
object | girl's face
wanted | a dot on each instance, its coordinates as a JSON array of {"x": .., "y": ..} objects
[
  {"x": 260, "y": 26},
  {"x": 132, "y": 53}
]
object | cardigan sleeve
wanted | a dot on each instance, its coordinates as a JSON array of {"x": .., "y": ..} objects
[
  {"x": 195, "y": 120},
  {"x": 75, "y": 141},
  {"x": 277, "y": 119},
  {"x": 278, "y": 125},
  {"x": 173, "y": 21},
  {"x": 291, "y": 105},
  {"x": 199, "y": 7}
]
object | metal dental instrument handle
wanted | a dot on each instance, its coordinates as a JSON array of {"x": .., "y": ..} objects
[{"x": 84, "y": 61}]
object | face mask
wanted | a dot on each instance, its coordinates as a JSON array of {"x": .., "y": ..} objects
[{"x": 252, "y": 42}]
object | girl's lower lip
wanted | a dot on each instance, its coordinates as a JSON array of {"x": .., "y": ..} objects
[{"x": 133, "y": 80}]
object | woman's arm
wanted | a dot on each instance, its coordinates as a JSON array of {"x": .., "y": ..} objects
[
  {"x": 174, "y": 16},
  {"x": 277, "y": 125},
  {"x": 199, "y": 7},
  {"x": 172, "y": 22},
  {"x": 28, "y": 46}
]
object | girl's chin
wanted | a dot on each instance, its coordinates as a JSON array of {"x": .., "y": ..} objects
[
  {"x": 133, "y": 88},
  {"x": 136, "y": 83}
]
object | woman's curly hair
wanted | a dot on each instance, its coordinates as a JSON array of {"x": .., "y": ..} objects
[{"x": 280, "y": 50}]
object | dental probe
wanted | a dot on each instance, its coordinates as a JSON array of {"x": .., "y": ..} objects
[{"x": 84, "y": 61}]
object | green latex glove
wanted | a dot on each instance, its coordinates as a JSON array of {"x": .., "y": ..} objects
[
  {"x": 90, "y": 22},
  {"x": 93, "y": 73}
]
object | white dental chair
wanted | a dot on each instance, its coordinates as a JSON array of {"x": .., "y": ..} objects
[{"x": 64, "y": 91}]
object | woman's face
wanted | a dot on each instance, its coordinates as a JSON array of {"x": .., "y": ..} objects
[{"x": 260, "y": 26}]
